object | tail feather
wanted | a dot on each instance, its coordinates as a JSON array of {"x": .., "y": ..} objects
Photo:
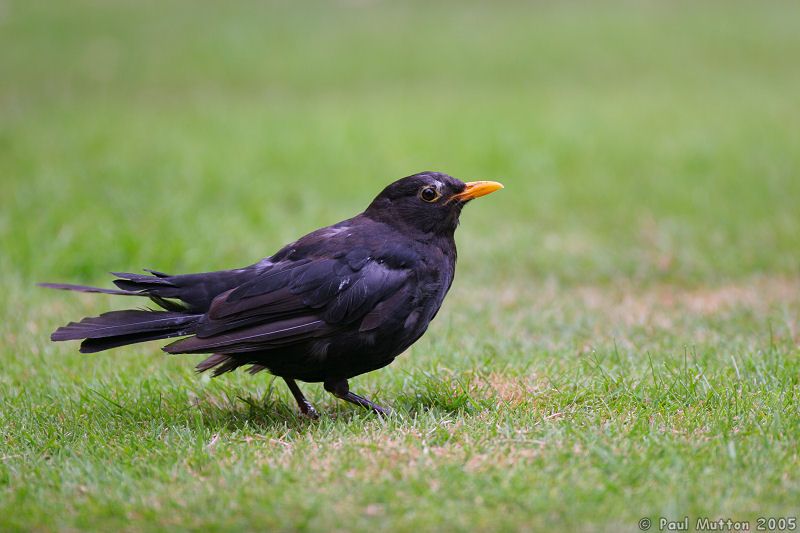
[
  {"x": 184, "y": 298},
  {"x": 155, "y": 287},
  {"x": 86, "y": 288},
  {"x": 106, "y": 343},
  {"x": 182, "y": 293},
  {"x": 116, "y": 323},
  {"x": 221, "y": 363},
  {"x": 118, "y": 328},
  {"x": 211, "y": 362},
  {"x": 137, "y": 282}
]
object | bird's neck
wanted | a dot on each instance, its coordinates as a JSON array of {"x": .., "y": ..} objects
[
  {"x": 440, "y": 235},
  {"x": 411, "y": 223}
]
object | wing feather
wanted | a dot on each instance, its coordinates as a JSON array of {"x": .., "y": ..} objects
[
  {"x": 292, "y": 302},
  {"x": 254, "y": 338}
]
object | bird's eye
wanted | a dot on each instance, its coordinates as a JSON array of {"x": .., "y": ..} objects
[{"x": 429, "y": 194}]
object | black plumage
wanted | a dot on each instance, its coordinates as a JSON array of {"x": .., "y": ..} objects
[{"x": 339, "y": 302}]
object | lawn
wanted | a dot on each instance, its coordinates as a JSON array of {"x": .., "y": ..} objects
[{"x": 622, "y": 339}]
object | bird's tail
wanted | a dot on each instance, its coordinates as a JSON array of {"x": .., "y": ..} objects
[
  {"x": 86, "y": 288},
  {"x": 119, "y": 328}
]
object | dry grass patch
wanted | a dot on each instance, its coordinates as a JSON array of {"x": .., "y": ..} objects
[
  {"x": 635, "y": 304},
  {"x": 657, "y": 304},
  {"x": 511, "y": 389},
  {"x": 553, "y": 317}
]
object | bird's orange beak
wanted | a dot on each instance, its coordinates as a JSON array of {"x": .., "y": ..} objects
[{"x": 476, "y": 189}]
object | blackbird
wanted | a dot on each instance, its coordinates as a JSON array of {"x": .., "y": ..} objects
[{"x": 341, "y": 301}]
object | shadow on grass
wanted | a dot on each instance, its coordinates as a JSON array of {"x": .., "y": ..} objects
[
  {"x": 234, "y": 408},
  {"x": 270, "y": 413},
  {"x": 253, "y": 413},
  {"x": 439, "y": 391}
]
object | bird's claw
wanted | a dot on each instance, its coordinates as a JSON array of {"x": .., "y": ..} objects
[{"x": 309, "y": 412}]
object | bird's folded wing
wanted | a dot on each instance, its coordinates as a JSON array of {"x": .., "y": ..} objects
[
  {"x": 294, "y": 301},
  {"x": 258, "y": 337}
]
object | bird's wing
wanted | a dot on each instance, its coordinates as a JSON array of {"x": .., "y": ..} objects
[{"x": 296, "y": 300}]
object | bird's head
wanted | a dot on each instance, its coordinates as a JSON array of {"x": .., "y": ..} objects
[{"x": 430, "y": 202}]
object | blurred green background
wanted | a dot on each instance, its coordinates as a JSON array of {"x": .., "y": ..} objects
[
  {"x": 651, "y": 155},
  {"x": 636, "y": 139}
]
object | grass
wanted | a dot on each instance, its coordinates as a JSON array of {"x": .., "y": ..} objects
[{"x": 622, "y": 337}]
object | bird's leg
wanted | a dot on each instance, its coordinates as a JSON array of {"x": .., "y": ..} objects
[
  {"x": 341, "y": 389},
  {"x": 305, "y": 406}
]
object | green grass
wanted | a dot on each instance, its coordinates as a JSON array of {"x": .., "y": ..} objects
[{"x": 622, "y": 336}]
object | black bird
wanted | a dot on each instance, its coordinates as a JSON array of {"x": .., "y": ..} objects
[{"x": 341, "y": 301}]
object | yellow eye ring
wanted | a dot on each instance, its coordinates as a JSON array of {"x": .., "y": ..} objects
[{"x": 429, "y": 194}]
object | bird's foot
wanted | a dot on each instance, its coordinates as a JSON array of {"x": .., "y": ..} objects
[
  {"x": 308, "y": 410},
  {"x": 305, "y": 406},
  {"x": 341, "y": 390}
]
